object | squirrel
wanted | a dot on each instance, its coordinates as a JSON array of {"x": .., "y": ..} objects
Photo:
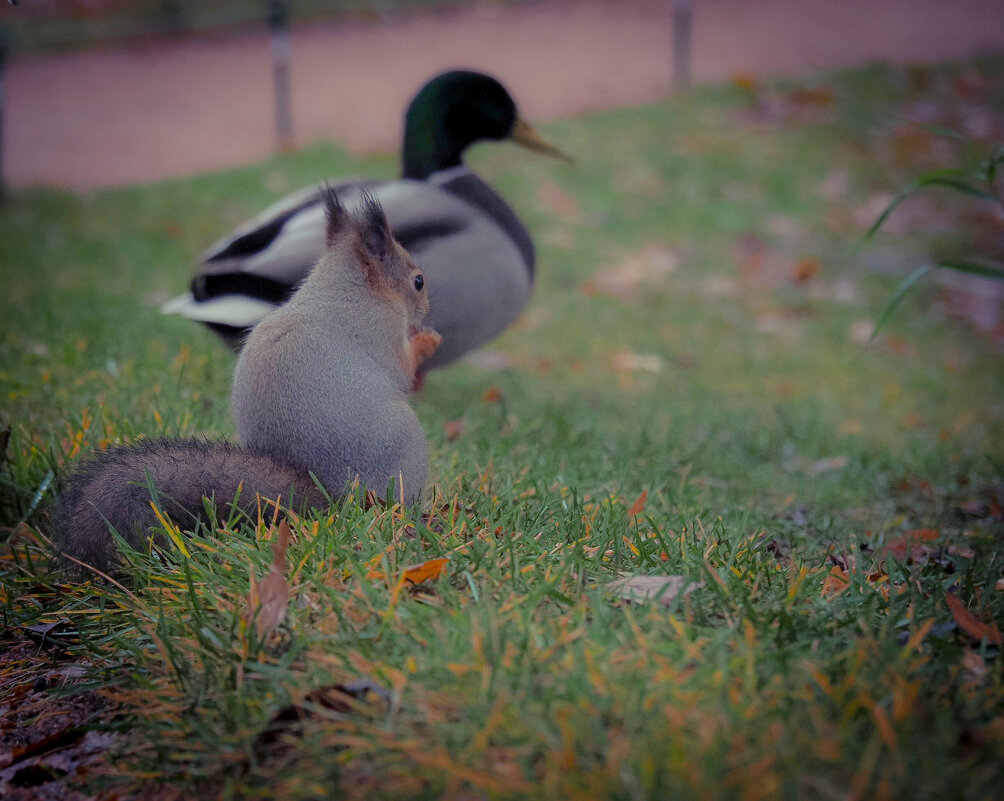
[{"x": 320, "y": 391}]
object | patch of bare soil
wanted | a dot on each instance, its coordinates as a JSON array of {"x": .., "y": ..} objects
[{"x": 47, "y": 736}]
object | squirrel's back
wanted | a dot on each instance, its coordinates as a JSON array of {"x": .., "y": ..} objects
[
  {"x": 323, "y": 381},
  {"x": 342, "y": 416}
]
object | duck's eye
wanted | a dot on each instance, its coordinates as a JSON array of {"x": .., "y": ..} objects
[{"x": 419, "y": 283}]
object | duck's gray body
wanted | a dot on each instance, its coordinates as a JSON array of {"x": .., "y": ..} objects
[{"x": 477, "y": 257}]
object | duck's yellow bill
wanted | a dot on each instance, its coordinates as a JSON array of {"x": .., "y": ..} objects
[{"x": 524, "y": 134}]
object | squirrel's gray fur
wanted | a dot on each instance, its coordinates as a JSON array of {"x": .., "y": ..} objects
[
  {"x": 321, "y": 388},
  {"x": 113, "y": 491}
]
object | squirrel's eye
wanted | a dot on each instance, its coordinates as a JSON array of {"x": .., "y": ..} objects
[{"x": 419, "y": 283}]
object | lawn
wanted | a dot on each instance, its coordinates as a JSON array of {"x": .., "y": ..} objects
[{"x": 689, "y": 394}]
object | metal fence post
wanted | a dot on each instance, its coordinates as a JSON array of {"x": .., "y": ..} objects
[
  {"x": 683, "y": 14},
  {"x": 4, "y": 48},
  {"x": 278, "y": 23}
]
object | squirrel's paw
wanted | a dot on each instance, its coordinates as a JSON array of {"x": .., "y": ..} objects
[{"x": 424, "y": 343}]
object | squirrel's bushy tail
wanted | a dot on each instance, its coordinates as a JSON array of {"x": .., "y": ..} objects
[{"x": 113, "y": 491}]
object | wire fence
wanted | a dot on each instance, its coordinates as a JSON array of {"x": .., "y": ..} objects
[
  {"x": 40, "y": 25},
  {"x": 47, "y": 25}
]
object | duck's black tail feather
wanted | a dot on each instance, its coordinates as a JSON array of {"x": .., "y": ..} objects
[{"x": 115, "y": 489}]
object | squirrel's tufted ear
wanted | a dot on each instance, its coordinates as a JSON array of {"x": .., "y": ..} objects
[
  {"x": 374, "y": 230},
  {"x": 337, "y": 216}
]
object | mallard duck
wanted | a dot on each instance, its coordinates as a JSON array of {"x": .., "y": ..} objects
[{"x": 477, "y": 257}]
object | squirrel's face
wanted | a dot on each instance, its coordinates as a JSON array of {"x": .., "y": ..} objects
[
  {"x": 387, "y": 267},
  {"x": 408, "y": 282}
]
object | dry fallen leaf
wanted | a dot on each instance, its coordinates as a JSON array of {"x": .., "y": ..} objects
[
  {"x": 860, "y": 331},
  {"x": 721, "y": 286},
  {"x": 836, "y": 582},
  {"x": 559, "y": 203},
  {"x": 639, "y": 179},
  {"x": 805, "y": 270},
  {"x": 664, "y": 589},
  {"x": 971, "y": 624},
  {"x": 491, "y": 395},
  {"x": 489, "y": 360},
  {"x": 826, "y": 465},
  {"x": 851, "y": 428},
  {"x": 639, "y": 504},
  {"x": 834, "y": 186},
  {"x": 432, "y": 569},
  {"x": 783, "y": 227},
  {"x": 70, "y": 754},
  {"x": 630, "y": 361},
  {"x": 647, "y": 269},
  {"x": 533, "y": 319},
  {"x": 787, "y": 328},
  {"x": 974, "y": 666},
  {"x": 909, "y": 547},
  {"x": 268, "y": 599},
  {"x": 746, "y": 81},
  {"x": 973, "y": 508}
]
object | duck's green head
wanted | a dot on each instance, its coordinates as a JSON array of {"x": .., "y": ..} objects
[{"x": 453, "y": 111}]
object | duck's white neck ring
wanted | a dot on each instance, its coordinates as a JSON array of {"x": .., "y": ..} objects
[{"x": 441, "y": 177}]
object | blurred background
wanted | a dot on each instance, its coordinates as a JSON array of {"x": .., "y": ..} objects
[{"x": 104, "y": 93}]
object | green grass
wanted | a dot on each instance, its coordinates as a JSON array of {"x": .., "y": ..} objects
[{"x": 772, "y": 447}]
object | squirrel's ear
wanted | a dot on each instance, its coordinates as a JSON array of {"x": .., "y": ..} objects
[
  {"x": 374, "y": 230},
  {"x": 336, "y": 214}
]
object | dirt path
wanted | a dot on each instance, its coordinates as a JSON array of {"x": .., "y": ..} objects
[{"x": 182, "y": 106}]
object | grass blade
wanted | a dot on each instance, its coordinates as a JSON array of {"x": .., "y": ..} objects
[
  {"x": 901, "y": 290},
  {"x": 957, "y": 184},
  {"x": 992, "y": 164},
  {"x": 951, "y": 179},
  {"x": 993, "y": 271},
  {"x": 36, "y": 499}
]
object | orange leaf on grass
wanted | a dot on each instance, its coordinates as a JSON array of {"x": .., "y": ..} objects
[
  {"x": 836, "y": 582},
  {"x": 746, "y": 81},
  {"x": 805, "y": 270},
  {"x": 639, "y": 504},
  {"x": 971, "y": 624},
  {"x": 432, "y": 569},
  {"x": 453, "y": 429}
]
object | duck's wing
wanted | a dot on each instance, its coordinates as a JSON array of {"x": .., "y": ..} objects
[
  {"x": 248, "y": 273},
  {"x": 478, "y": 260},
  {"x": 282, "y": 243}
]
